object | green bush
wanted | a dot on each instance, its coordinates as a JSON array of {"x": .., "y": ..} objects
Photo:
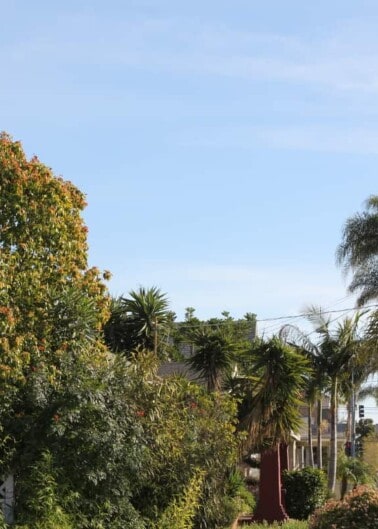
[
  {"x": 181, "y": 511},
  {"x": 3, "y": 525},
  {"x": 290, "y": 524},
  {"x": 353, "y": 470},
  {"x": 230, "y": 499},
  {"x": 306, "y": 490},
  {"x": 359, "y": 509},
  {"x": 43, "y": 508},
  {"x": 241, "y": 498}
]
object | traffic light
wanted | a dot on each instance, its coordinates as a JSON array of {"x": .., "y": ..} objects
[
  {"x": 361, "y": 411},
  {"x": 348, "y": 448}
]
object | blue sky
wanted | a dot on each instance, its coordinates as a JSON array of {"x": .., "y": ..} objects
[{"x": 221, "y": 145}]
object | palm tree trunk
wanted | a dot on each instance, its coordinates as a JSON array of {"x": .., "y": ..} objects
[
  {"x": 348, "y": 433},
  {"x": 319, "y": 460},
  {"x": 269, "y": 507},
  {"x": 344, "y": 486},
  {"x": 310, "y": 440},
  {"x": 332, "y": 465}
]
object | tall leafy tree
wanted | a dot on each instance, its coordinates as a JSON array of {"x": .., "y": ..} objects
[
  {"x": 316, "y": 385},
  {"x": 64, "y": 396},
  {"x": 50, "y": 300},
  {"x": 43, "y": 263},
  {"x": 358, "y": 251},
  {"x": 270, "y": 414}
]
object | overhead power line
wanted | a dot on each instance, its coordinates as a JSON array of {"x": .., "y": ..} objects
[
  {"x": 306, "y": 314},
  {"x": 263, "y": 320}
]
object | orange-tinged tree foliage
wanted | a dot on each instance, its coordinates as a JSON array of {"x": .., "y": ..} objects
[{"x": 47, "y": 292}]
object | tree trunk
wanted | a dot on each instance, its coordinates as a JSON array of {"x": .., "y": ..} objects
[
  {"x": 344, "y": 486},
  {"x": 348, "y": 433},
  {"x": 270, "y": 506},
  {"x": 310, "y": 459},
  {"x": 319, "y": 459},
  {"x": 332, "y": 465},
  {"x": 284, "y": 464}
]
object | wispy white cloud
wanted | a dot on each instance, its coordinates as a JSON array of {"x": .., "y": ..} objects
[
  {"x": 342, "y": 65},
  {"x": 346, "y": 59}
]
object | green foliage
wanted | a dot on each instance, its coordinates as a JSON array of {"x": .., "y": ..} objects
[
  {"x": 181, "y": 511},
  {"x": 237, "y": 499},
  {"x": 48, "y": 296},
  {"x": 43, "y": 252},
  {"x": 358, "y": 251},
  {"x": 3, "y": 525},
  {"x": 232, "y": 499},
  {"x": 184, "y": 428},
  {"x": 138, "y": 322},
  {"x": 237, "y": 489},
  {"x": 88, "y": 424},
  {"x": 53, "y": 366},
  {"x": 290, "y": 524},
  {"x": 131, "y": 439},
  {"x": 215, "y": 354},
  {"x": 354, "y": 470},
  {"x": 240, "y": 331},
  {"x": 359, "y": 509},
  {"x": 226, "y": 330},
  {"x": 306, "y": 490},
  {"x": 43, "y": 508},
  {"x": 373, "y": 335},
  {"x": 275, "y": 377},
  {"x": 339, "y": 353},
  {"x": 86, "y": 432},
  {"x": 365, "y": 428}
]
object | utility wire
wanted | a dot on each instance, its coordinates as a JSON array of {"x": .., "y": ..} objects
[
  {"x": 262, "y": 320},
  {"x": 305, "y": 314}
]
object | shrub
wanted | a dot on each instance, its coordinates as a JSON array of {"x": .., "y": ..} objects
[
  {"x": 359, "y": 509},
  {"x": 355, "y": 471},
  {"x": 306, "y": 490},
  {"x": 181, "y": 511},
  {"x": 42, "y": 508},
  {"x": 3, "y": 525},
  {"x": 290, "y": 524},
  {"x": 237, "y": 499}
]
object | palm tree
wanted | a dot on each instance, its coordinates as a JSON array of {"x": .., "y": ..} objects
[
  {"x": 370, "y": 390},
  {"x": 138, "y": 321},
  {"x": 277, "y": 375},
  {"x": 214, "y": 355},
  {"x": 316, "y": 383},
  {"x": 280, "y": 375},
  {"x": 358, "y": 251},
  {"x": 338, "y": 350},
  {"x": 364, "y": 364}
]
